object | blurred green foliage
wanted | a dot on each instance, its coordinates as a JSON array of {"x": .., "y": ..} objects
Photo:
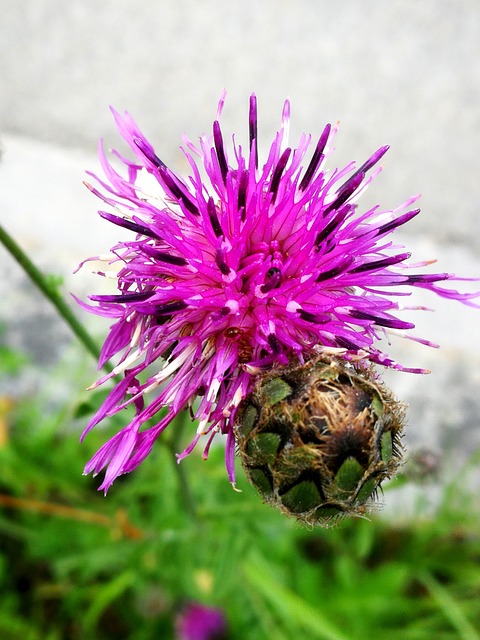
[{"x": 75, "y": 564}]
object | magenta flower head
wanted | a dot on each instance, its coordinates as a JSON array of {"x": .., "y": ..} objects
[
  {"x": 198, "y": 622},
  {"x": 246, "y": 266}
]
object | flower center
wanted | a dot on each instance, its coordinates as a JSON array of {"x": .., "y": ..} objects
[{"x": 262, "y": 271}]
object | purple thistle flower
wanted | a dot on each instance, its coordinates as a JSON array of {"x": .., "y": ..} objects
[
  {"x": 239, "y": 269},
  {"x": 198, "y": 622}
]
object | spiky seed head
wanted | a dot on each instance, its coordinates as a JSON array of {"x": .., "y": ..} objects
[{"x": 317, "y": 440}]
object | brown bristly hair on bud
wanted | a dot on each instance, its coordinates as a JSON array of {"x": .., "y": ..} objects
[{"x": 317, "y": 440}]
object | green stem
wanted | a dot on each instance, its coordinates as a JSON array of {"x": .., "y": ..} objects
[
  {"x": 50, "y": 291},
  {"x": 183, "y": 484}
]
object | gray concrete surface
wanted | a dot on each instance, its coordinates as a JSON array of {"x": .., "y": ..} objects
[{"x": 406, "y": 73}]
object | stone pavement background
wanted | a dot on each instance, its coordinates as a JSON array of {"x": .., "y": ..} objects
[{"x": 403, "y": 73}]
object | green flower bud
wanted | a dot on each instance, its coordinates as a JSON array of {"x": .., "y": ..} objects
[{"x": 317, "y": 440}]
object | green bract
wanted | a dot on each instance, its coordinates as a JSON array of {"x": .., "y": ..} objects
[{"x": 318, "y": 439}]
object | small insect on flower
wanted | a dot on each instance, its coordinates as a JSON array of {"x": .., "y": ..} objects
[{"x": 248, "y": 273}]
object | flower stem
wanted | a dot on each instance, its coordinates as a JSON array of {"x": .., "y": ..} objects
[
  {"x": 50, "y": 291},
  {"x": 183, "y": 484},
  {"x": 119, "y": 521}
]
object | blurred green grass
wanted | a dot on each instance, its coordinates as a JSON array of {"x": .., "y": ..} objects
[{"x": 76, "y": 565}]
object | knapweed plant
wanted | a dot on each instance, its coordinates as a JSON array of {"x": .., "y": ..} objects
[{"x": 258, "y": 295}]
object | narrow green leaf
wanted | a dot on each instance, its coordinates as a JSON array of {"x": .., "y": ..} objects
[
  {"x": 104, "y": 596},
  {"x": 287, "y": 604},
  {"x": 450, "y": 608}
]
